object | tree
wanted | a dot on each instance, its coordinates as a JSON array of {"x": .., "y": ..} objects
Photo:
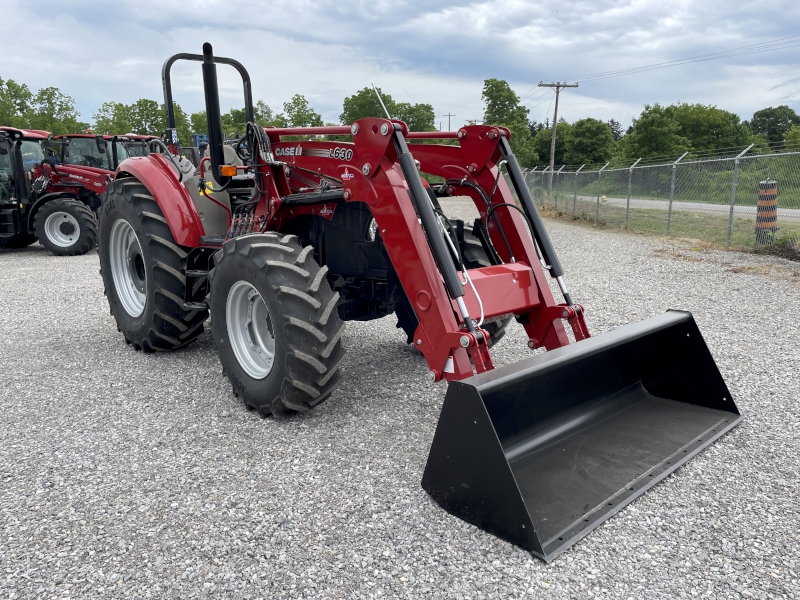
[
  {"x": 590, "y": 141},
  {"x": 708, "y": 127},
  {"x": 541, "y": 143},
  {"x": 53, "y": 111},
  {"x": 655, "y": 133},
  {"x": 181, "y": 124},
  {"x": 364, "y": 103},
  {"x": 199, "y": 123},
  {"x": 263, "y": 114},
  {"x": 112, "y": 119},
  {"x": 616, "y": 129},
  {"x": 502, "y": 108},
  {"x": 15, "y": 102},
  {"x": 297, "y": 113},
  {"x": 793, "y": 137},
  {"x": 234, "y": 122},
  {"x": 418, "y": 117},
  {"x": 146, "y": 117},
  {"x": 774, "y": 122}
]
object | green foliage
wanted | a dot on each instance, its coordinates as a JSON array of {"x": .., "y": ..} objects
[
  {"x": 15, "y": 101},
  {"x": 297, "y": 113},
  {"x": 589, "y": 141},
  {"x": 143, "y": 117},
  {"x": 199, "y": 123},
  {"x": 708, "y": 127},
  {"x": 793, "y": 137},
  {"x": 774, "y": 122},
  {"x": 364, "y": 103},
  {"x": 112, "y": 119},
  {"x": 502, "y": 108},
  {"x": 541, "y": 143},
  {"x": 655, "y": 133},
  {"x": 418, "y": 117},
  {"x": 146, "y": 117},
  {"x": 616, "y": 129},
  {"x": 49, "y": 109},
  {"x": 263, "y": 114}
]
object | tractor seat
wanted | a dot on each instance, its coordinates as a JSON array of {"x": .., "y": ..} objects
[{"x": 229, "y": 156}]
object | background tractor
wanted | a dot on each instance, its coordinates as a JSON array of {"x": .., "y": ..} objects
[{"x": 284, "y": 241}]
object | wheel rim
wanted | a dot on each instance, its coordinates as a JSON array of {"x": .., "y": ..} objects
[
  {"x": 127, "y": 268},
  {"x": 62, "y": 229},
  {"x": 250, "y": 330}
]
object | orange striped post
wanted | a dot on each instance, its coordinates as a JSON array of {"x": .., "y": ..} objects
[{"x": 766, "y": 212}]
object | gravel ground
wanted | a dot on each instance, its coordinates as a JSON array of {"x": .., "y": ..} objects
[{"x": 141, "y": 476}]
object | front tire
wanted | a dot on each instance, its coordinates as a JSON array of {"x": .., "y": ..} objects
[
  {"x": 275, "y": 323},
  {"x": 143, "y": 271},
  {"x": 66, "y": 227}
]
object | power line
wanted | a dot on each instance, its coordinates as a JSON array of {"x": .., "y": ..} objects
[
  {"x": 448, "y": 115},
  {"x": 779, "y": 44}
]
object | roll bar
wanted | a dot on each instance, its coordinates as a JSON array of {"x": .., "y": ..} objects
[{"x": 213, "y": 117}]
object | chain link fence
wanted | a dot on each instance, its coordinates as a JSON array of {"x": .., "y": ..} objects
[{"x": 728, "y": 201}]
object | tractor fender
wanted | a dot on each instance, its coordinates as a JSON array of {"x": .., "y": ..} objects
[
  {"x": 40, "y": 202},
  {"x": 172, "y": 197}
]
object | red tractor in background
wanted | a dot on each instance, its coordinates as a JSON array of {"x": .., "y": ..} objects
[
  {"x": 283, "y": 241},
  {"x": 43, "y": 200},
  {"x": 51, "y": 187}
]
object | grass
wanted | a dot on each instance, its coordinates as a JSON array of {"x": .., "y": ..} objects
[{"x": 710, "y": 227}]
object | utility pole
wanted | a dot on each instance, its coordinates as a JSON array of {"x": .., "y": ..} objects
[
  {"x": 558, "y": 86},
  {"x": 448, "y": 115}
]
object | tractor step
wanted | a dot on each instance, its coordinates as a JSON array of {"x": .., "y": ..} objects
[{"x": 9, "y": 221}]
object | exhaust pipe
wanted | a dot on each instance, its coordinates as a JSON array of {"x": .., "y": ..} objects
[{"x": 213, "y": 116}]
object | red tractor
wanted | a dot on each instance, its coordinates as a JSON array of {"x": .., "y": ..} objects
[
  {"x": 42, "y": 199},
  {"x": 59, "y": 182},
  {"x": 283, "y": 241}
]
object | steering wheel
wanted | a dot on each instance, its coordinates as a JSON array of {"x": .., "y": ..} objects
[
  {"x": 243, "y": 149},
  {"x": 78, "y": 159}
]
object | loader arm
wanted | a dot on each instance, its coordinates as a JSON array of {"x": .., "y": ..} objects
[{"x": 371, "y": 170}]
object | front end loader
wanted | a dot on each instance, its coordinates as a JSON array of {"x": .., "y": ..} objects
[{"x": 284, "y": 241}]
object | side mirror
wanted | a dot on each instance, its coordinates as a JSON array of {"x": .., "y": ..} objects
[{"x": 101, "y": 144}]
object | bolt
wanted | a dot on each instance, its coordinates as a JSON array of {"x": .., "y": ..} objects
[
  {"x": 346, "y": 194},
  {"x": 531, "y": 345},
  {"x": 419, "y": 342},
  {"x": 365, "y": 169},
  {"x": 432, "y": 376},
  {"x": 354, "y": 128},
  {"x": 462, "y": 134},
  {"x": 384, "y": 129},
  {"x": 491, "y": 135},
  {"x": 565, "y": 314},
  {"x": 464, "y": 341}
]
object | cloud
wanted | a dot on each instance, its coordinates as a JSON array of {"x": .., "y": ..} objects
[{"x": 439, "y": 51}]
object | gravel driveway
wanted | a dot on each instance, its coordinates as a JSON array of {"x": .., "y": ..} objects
[{"x": 141, "y": 476}]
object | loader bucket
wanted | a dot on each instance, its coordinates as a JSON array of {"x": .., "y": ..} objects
[{"x": 541, "y": 452}]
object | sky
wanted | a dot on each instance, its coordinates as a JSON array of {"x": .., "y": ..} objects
[{"x": 437, "y": 51}]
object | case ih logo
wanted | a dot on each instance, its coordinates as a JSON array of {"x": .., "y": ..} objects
[
  {"x": 347, "y": 175},
  {"x": 325, "y": 211},
  {"x": 293, "y": 151}
]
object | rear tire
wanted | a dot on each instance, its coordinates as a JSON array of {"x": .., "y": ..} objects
[
  {"x": 20, "y": 240},
  {"x": 66, "y": 227},
  {"x": 275, "y": 323},
  {"x": 143, "y": 271}
]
